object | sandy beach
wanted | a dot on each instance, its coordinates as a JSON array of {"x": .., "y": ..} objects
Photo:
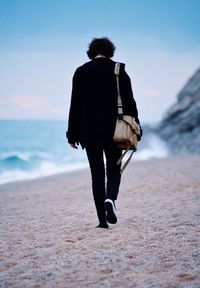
[{"x": 48, "y": 237}]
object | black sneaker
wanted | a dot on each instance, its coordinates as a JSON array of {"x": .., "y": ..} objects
[
  {"x": 102, "y": 225},
  {"x": 111, "y": 215}
]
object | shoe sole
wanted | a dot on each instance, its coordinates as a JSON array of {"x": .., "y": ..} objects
[
  {"x": 111, "y": 217},
  {"x": 102, "y": 227}
]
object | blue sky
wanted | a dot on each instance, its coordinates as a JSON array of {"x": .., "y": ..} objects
[{"x": 42, "y": 43}]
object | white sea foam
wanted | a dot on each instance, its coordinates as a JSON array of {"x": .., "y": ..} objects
[
  {"x": 38, "y": 154},
  {"x": 156, "y": 148},
  {"x": 25, "y": 156},
  {"x": 46, "y": 168}
]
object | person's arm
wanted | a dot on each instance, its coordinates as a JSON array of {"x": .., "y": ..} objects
[{"x": 74, "y": 112}]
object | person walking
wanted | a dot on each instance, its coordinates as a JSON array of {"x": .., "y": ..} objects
[{"x": 92, "y": 119}]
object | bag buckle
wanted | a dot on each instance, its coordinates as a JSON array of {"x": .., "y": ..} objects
[{"x": 120, "y": 116}]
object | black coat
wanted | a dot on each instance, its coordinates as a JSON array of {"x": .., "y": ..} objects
[{"x": 93, "y": 110}]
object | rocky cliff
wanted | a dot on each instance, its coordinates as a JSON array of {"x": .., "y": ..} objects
[{"x": 181, "y": 124}]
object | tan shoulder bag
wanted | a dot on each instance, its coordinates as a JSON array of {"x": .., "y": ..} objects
[{"x": 127, "y": 131}]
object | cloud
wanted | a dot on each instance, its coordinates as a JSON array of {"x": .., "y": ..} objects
[
  {"x": 29, "y": 106},
  {"x": 152, "y": 93},
  {"x": 25, "y": 101},
  {"x": 41, "y": 82}
]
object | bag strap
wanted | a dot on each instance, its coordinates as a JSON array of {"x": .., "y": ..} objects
[
  {"x": 120, "y": 112},
  {"x": 127, "y": 161},
  {"x": 119, "y": 99}
]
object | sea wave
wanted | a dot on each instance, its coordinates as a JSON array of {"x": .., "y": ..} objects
[
  {"x": 23, "y": 156},
  {"x": 45, "y": 168},
  {"x": 154, "y": 148},
  {"x": 23, "y": 161},
  {"x": 38, "y": 154},
  {"x": 24, "y": 166}
]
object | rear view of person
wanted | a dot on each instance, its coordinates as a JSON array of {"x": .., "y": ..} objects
[{"x": 92, "y": 118}]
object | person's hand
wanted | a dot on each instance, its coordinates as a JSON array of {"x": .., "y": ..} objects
[{"x": 73, "y": 145}]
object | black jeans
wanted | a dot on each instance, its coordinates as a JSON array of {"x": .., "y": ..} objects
[{"x": 96, "y": 161}]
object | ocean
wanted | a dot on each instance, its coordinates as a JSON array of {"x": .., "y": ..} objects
[{"x": 34, "y": 148}]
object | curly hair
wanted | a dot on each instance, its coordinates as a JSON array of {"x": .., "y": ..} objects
[{"x": 101, "y": 46}]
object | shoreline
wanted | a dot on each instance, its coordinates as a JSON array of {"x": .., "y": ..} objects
[
  {"x": 86, "y": 168},
  {"x": 43, "y": 177},
  {"x": 48, "y": 237}
]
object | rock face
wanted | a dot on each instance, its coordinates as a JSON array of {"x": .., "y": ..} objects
[{"x": 181, "y": 124}]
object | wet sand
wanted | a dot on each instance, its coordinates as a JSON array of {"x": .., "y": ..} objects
[{"x": 48, "y": 237}]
